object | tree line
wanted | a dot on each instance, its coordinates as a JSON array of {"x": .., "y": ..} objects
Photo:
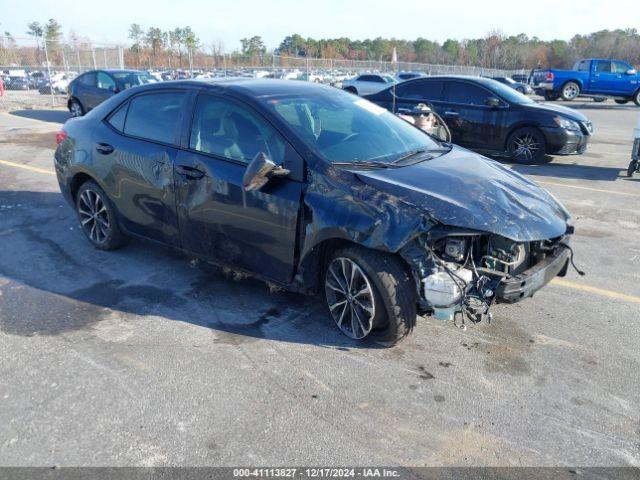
[{"x": 153, "y": 46}]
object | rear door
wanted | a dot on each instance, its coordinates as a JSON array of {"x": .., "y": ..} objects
[
  {"x": 255, "y": 231},
  {"x": 84, "y": 87},
  {"x": 105, "y": 87},
  {"x": 135, "y": 148},
  {"x": 409, "y": 94},
  {"x": 602, "y": 79}
]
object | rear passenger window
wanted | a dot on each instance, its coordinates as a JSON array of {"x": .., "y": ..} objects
[
  {"x": 155, "y": 116},
  {"x": 88, "y": 79},
  {"x": 116, "y": 120},
  {"x": 425, "y": 90},
  {"x": 467, "y": 94}
]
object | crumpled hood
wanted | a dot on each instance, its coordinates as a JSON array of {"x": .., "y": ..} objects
[{"x": 464, "y": 189}]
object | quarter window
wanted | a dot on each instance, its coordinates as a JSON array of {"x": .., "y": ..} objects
[
  {"x": 226, "y": 128},
  {"x": 117, "y": 119},
  {"x": 155, "y": 116}
]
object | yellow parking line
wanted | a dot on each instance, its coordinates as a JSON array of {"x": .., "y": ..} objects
[
  {"x": 601, "y": 190},
  {"x": 27, "y": 167},
  {"x": 595, "y": 290}
]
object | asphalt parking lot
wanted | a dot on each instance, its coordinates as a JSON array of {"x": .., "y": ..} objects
[{"x": 145, "y": 357}]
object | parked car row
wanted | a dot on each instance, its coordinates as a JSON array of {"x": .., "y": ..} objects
[{"x": 320, "y": 191}]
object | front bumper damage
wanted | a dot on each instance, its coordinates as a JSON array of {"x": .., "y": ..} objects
[
  {"x": 527, "y": 283},
  {"x": 461, "y": 274}
]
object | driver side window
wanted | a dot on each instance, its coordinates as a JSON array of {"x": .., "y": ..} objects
[{"x": 227, "y": 129}]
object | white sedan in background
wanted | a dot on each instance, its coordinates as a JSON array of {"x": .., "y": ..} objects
[{"x": 368, "y": 83}]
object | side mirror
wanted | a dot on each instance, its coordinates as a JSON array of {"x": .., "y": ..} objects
[
  {"x": 632, "y": 71},
  {"x": 492, "y": 102},
  {"x": 259, "y": 171}
]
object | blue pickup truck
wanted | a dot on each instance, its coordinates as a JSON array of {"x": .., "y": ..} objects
[{"x": 594, "y": 77}]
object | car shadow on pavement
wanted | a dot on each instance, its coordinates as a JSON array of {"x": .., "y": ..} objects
[
  {"x": 49, "y": 116},
  {"x": 59, "y": 283},
  {"x": 563, "y": 170}
]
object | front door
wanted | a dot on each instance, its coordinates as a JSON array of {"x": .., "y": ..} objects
[
  {"x": 472, "y": 122},
  {"x": 255, "y": 231}
]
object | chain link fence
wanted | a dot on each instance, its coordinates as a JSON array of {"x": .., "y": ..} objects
[{"x": 36, "y": 72}]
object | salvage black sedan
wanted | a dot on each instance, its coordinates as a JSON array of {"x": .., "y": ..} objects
[
  {"x": 315, "y": 190},
  {"x": 487, "y": 116}
]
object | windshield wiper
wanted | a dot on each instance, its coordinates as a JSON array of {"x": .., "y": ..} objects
[
  {"x": 420, "y": 151},
  {"x": 364, "y": 163}
]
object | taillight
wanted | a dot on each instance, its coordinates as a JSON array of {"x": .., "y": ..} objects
[
  {"x": 550, "y": 76},
  {"x": 60, "y": 137}
]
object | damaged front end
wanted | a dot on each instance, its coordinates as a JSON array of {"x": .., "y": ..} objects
[{"x": 461, "y": 273}]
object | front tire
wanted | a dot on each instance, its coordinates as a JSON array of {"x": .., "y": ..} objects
[
  {"x": 98, "y": 218},
  {"x": 527, "y": 145},
  {"x": 636, "y": 98},
  {"x": 351, "y": 90},
  {"x": 570, "y": 91},
  {"x": 370, "y": 295},
  {"x": 621, "y": 102}
]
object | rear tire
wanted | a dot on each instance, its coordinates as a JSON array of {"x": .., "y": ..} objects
[
  {"x": 633, "y": 166},
  {"x": 551, "y": 96},
  {"x": 527, "y": 146},
  {"x": 390, "y": 315},
  {"x": 98, "y": 218},
  {"x": 75, "y": 108},
  {"x": 599, "y": 99},
  {"x": 570, "y": 91}
]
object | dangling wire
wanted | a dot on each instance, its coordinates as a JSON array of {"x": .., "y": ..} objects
[{"x": 580, "y": 272}]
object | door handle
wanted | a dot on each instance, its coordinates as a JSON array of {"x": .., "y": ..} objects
[
  {"x": 191, "y": 173},
  {"x": 452, "y": 114},
  {"x": 104, "y": 148}
]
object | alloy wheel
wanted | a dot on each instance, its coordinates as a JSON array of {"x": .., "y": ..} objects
[
  {"x": 570, "y": 91},
  {"x": 350, "y": 298},
  {"x": 526, "y": 146},
  {"x": 93, "y": 216},
  {"x": 76, "y": 109}
]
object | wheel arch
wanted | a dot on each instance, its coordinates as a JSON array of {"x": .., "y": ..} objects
[
  {"x": 312, "y": 264},
  {"x": 574, "y": 80},
  {"x": 77, "y": 180},
  {"x": 518, "y": 126}
]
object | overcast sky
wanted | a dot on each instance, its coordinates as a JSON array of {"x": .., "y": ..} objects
[{"x": 229, "y": 20}]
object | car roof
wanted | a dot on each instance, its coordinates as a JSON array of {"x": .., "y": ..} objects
[
  {"x": 251, "y": 87},
  {"x": 481, "y": 80},
  {"x": 115, "y": 70}
]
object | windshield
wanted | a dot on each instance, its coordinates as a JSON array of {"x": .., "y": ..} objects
[
  {"x": 509, "y": 94},
  {"x": 341, "y": 127},
  {"x": 128, "y": 80}
]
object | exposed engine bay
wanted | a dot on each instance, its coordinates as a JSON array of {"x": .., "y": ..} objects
[{"x": 462, "y": 272}]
